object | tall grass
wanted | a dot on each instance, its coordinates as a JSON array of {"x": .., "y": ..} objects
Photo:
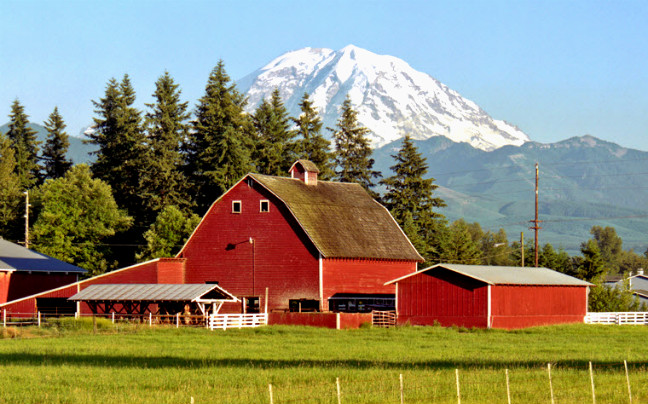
[{"x": 168, "y": 365}]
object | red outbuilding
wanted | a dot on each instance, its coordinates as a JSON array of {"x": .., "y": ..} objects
[
  {"x": 312, "y": 245},
  {"x": 489, "y": 297}
]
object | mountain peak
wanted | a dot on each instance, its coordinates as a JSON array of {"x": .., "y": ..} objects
[{"x": 391, "y": 98}]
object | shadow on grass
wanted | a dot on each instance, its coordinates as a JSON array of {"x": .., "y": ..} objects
[{"x": 160, "y": 362}]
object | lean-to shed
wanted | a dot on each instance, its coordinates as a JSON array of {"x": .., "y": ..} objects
[{"x": 489, "y": 296}]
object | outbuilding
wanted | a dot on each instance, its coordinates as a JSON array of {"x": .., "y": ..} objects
[{"x": 489, "y": 297}]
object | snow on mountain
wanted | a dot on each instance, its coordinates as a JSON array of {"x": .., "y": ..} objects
[{"x": 392, "y": 99}]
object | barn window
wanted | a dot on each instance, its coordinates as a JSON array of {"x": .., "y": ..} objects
[
  {"x": 303, "y": 305},
  {"x": 236, "y": 206},
  {"x": 265, "y": 206}
]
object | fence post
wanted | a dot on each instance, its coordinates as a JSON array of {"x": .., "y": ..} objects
[
  {"x": 39, "y": 319},
  {"x": 337, "y": 384},
  {"x": 270, "y": 390},
  {"x": 592, "y": 380},
  {"x": 508, "y": 388},
  {"x": 625, "y": 364},
  {"x": 400, "y": 376},
  {"x": 178, "y": 320},
  {"x": 550, "y": 382},
  {"x": 458, "y": 390},
  {"x": 150, "y": 319},
  {"x": 113, "y": 317},
  {"x": 4, "y": 318},
  {"x": 76, "y": 315}
]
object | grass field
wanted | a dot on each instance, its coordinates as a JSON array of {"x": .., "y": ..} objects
[{"x": 67, "y": 363}]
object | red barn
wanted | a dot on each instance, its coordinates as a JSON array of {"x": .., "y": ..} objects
[
  {"x": 305, "y": 240},
  {"x": 315, "y": 245},
  {"x": 489, "y": 296}
]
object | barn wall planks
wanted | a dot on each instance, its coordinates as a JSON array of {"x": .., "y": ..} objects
[{"x": 279, "y": 256}]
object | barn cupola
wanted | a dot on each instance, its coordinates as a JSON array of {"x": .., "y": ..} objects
[{"x": 304, "y": 170}]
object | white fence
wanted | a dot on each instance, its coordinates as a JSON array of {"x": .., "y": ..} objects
[
  {"x": 225, "y": 321},
  {"x": 630, "y": 317}
]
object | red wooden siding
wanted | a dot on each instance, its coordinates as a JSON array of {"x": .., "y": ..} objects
[
  {"x": 446, "y": 297},
  {"x": 357, "y": 275},
  {"x": 280, "y": 258},
  {"x": 326, "y": 320},
  {"x": 21, "y": 284},
  {"x": 525, "y": 306},
  {"x": 4, "y": 285}
]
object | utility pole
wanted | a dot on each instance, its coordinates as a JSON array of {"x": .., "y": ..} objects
[
  {"x": 522, "y": 247},
  {"x": 27, "y": 205},
  {"x": 536, "y": 222}
]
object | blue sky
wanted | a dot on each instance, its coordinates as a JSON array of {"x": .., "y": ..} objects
[{"x": 554, "y": 68}]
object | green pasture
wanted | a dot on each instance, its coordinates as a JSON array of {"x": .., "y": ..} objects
[{"x": 65, "y": 362}]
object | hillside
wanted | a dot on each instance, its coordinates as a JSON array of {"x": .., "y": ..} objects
[
  {"x": 583, "y": 182},
  {"x": 78, "y": 152}
]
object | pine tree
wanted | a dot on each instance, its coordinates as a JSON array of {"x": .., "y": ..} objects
[
  {"x": 23, "y": 139},
  {"x": 10, "y": 195},
  {"x": 353, "y": 154},
  {"x": 56, "y": 147},
  {"x": 162, "y": 181},
  {"x": 275, "y": 151},
  {"x": 121, "y": 144},
  {"x": 310, "y": 144},
  {"x": 592, "y": 266},
  {"x": 218, "y": 149}
]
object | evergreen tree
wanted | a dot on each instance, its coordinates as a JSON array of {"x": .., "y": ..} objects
[
  {"x": 23, "y": 139},
  {"x": 121, "y": 144},
  {"x": 56, "y": 147},
  {"x": 218, "y": 148},
  {"x": 78, "y": 214},
  {"x": 408, "y": 190},
  {"x": 275, "y": 151},
  {"x": 459, "y": 247},
  {"x": 10, "y": 195},
  {"x": 162, "y": 181},
  {"x": 352, "y": 150},
  {"x": 170, "y": 230},
  {"x": 610, "y": 245},
  {"x": 310, "y": 144},
  {"x": 592, "y": 267}
]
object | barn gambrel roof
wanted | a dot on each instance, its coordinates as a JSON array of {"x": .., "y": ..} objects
[
  {"x": 501, "y": 275},
  {"x": 341, "y": 219}
]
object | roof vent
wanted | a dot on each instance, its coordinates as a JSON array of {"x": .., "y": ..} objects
[{"x": 304, "y": 170}]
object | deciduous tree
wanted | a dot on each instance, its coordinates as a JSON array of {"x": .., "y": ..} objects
[
  {"x": 78, "y": 213},
  {"x": 171, "y": 229}
]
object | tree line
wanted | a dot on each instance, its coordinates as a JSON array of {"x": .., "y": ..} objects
[{"x": 155, "y": 172}]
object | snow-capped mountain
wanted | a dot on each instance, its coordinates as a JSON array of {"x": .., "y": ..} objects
[{"x": 392, "y": 99}]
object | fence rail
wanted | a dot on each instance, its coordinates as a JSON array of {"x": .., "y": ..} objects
[
  {"x": 225, "y": 321},
  {"x": 384, "y": 319},
  {"x": 630, "y": 317}
]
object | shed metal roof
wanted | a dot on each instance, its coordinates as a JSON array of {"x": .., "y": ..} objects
[
  {"x": 153, "y": 292},
  {"x": 500, "y": 275},
  {"x": 342, "y": 219},
  {"x": 14, "y": 257}
]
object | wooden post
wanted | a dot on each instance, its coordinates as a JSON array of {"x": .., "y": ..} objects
[
  {"x": 39, "y": 319},
  {"x": 592, "y": 380},
  {"x": 337, "y": 321},
  {"x": 4, "y": 318},
  {"x": 192, "y": 400},
  {"x": 550, "y": 383},
  {"x": 400, "y": 376},
  {"x": 458, "y": 390},
  {"x": 113, "y": 317},
  {"x": 266, "y": 302},
  {"x": 508, "y": 389},
  {"x": 625, "y": 364},
  {"x": 337, "y": 384},
  {"x": 94, "y": 323},
  {"x": 178, "y": 320},
  {"x": 270, "y": 390},
  {"x": 150, "y": 319}
]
